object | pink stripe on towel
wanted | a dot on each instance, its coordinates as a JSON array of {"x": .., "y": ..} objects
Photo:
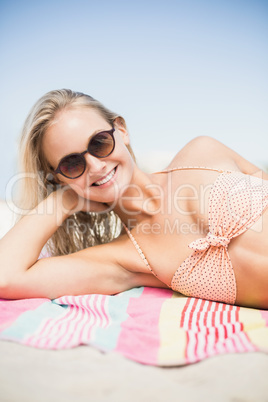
[
  {"x": 139, "y": 338},
  {"x": 264, "y": 314},
  {"x": 12, "y": 309},
  {"x": 212, "y": 328},
  {"x": 76, "y": 324}
]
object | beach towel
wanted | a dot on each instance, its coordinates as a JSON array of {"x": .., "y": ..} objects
[{"x": 148, "y": 325}]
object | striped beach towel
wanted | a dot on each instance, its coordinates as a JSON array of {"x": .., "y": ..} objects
[{"x": 149, "y": 325}]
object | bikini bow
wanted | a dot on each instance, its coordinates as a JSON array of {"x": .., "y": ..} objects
[{"x": 210, "y": 240}]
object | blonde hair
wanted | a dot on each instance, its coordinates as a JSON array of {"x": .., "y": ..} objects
[{"x": 82, "y": 229}]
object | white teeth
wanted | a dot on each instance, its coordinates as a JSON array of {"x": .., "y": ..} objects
[{"x": 106, "y": 179}]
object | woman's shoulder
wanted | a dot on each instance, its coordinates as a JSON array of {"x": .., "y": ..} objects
[
  {"x": 204, "y": 151},
  {"x": 203, "y": 148}
]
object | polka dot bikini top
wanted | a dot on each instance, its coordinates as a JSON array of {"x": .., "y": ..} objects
[{"x": 236, "y": 201}]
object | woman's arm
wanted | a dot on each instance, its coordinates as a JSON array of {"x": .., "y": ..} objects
[
  {"x": 21, "y": 246},
  {"x": 88, "y": 271},
  {"x": 93, "y": 270}
]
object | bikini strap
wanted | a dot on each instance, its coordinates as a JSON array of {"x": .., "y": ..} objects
[
  {"x": 193, "y": 167},
  {"x": 137, "y": 247}
]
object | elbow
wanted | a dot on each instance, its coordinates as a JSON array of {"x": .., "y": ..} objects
[
  {"x": 4, "y": 289},
  {"x": 9, "y": 288}
]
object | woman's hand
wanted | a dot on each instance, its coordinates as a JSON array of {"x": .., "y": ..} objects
[{"x": 72, "y": 202}]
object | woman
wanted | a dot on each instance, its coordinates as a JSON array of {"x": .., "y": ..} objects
[{"x": 199, "y": 227}]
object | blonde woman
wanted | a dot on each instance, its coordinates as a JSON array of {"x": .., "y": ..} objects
[{"x": 200, "y": 227}]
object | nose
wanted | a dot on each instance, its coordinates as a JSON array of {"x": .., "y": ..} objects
[{"x": 94, "y": 165}]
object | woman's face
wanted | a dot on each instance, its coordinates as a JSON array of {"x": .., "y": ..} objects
[{"x": 70, "y": 133}]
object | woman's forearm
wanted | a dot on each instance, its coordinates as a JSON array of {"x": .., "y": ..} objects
[{"x": 21, "y": 246}]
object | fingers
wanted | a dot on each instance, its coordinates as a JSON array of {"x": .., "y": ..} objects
[{"x": 73, "y": 202}]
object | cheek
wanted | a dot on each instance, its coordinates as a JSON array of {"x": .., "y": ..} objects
[
  {"x": 128, "y": 161},
  {"x": 126, "y": 167},
  {"x": 122, "y": 154}
]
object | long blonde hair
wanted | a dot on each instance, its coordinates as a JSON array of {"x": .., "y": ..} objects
[{"x": 82, "y": 229}]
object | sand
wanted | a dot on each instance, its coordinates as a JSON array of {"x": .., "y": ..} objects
[{"x": 84, "y": 374}]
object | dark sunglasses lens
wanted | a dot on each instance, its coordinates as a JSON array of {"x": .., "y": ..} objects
[
  {"x": 72, "y": 166},
  {"x": 101, "y": 145}
]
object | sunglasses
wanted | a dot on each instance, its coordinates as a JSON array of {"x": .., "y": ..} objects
[{"x": 100, "y": 145}]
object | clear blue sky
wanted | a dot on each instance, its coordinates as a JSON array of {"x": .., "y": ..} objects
[{"x": 173, "y": 69}]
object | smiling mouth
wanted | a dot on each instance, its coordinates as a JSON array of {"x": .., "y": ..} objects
[{"x": 105, "y": 179}]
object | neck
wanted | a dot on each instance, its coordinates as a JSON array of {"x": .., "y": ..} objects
[{"x": 141, "y": 200}]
